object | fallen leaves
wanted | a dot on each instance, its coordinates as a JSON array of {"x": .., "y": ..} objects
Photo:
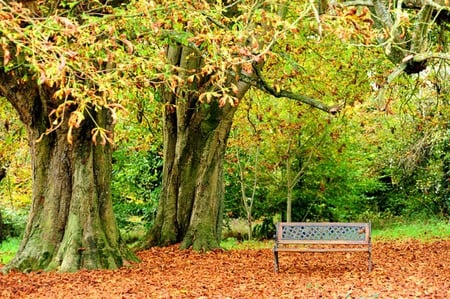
[{"x": 401, "y": 270}]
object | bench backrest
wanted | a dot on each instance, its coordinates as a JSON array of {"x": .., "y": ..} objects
[{"x": 323, "y": 233}]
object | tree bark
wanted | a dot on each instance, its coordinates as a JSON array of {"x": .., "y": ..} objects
[
  {"x": 2, "y": 237},
  {"x": 71, "y": 224},
  {"x": 195, "y": 139}
]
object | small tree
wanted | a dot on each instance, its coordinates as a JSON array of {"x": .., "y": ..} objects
[{"x": 247, "y": 200}]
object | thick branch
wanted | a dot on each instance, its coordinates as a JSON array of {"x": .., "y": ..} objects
[{"x": 264, "y": 86}]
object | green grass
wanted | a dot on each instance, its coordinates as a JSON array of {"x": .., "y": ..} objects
[
  {"x": 8, "y": 249},
  {"x": 419, "y": 230},
  {"x": 232, "y": 243}
]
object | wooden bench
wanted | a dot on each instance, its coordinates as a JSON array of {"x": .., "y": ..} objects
[{"x": 322, "y": 237}]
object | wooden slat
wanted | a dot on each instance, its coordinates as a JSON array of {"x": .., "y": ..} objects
[
  {"x": 330, "y": 242},
  {"x": 334, "y": 245},
  {"x": 327, "y": 224},
  {"x": 294, "y": 249}
]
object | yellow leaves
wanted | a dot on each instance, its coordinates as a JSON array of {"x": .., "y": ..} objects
[
  {"x": 62, "y": 64},
  {"x": 105, "y": 136},
  {"x": 59, "y": 111},
  {"x": 69, "y": 27},
  {"x": 223, "y": 97},
  {"x": 6, "y": 52},
  {"x": 277, "y": 88},
  {"x": 69, "y": 136},
  {"x": 227, "y": 99},
  {"x": 112, "y": 108},
  {"x": 62, "y": 93},
  {"x": 234, "y": 89},
  {"x": 209, "y": 95},
  {"x": 77, "y": 116},
  {"x": 75, "y": 119},
  {"x": 127, "y": 43},
  {"x": 351, "y": 23}
]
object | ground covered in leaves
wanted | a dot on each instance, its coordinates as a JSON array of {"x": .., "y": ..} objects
[{"x": 407, "y": 269}]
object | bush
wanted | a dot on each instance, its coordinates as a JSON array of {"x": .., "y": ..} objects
[
  {"x": 135, "y": 187},
  {"x": 12, "y": 223},
  {"x": 264, "y": 230}
]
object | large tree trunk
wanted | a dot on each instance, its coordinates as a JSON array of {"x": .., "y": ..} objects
[
  {"x": 192, "y": 197},
  {"x": 195, "y": 139},
  {"x": 71, "y": 224},
  {"x": 2, "y": 175}
]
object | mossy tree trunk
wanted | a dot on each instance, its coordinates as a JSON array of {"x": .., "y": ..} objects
[
  {"x": 71, "y": 224},
  {"x": 195, "y": 139},
  {"x": 1, "y": 228},
  {"x": 2, "y": 175}
]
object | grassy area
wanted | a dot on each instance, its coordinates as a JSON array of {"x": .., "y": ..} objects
[
  {"x": 232, "y": 243},
  {"x": 8, "y": 249},
  {"x": 420, "y": 230}
]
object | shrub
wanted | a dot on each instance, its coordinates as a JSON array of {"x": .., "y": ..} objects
[
  {"x": 12, "y": 223},
  {"x": 135, "y": 187}
]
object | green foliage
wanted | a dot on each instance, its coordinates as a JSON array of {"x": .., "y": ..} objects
[
  {"x": 264, "y": 230},
  {"x": 14, "y": 222},
  {"x": 425, "y": 230},
  {"x": 136, "y": 180},
  {"x": 8, "y": 249},
  {"x": 332, "y": 157},
  {"x": 415, "y": 164},
  {"x": 329, "y": 159},
  {"x": 15, "y": 185},
  {"x": 135, "y": 186},
  {"x": 137, "y": 169}
]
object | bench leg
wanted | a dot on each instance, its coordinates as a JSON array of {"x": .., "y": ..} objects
[{"x": 275, "y": 261}]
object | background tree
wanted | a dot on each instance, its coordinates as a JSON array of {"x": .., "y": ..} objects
[{"x": 416, "y": 40}]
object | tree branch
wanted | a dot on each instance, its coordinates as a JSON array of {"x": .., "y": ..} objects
[
  {"x": 368, "y": 3},
  {"x": 249, "y": 79},
  {"x": 422, "y": 57},
  {"x": 261, "y": 84}
]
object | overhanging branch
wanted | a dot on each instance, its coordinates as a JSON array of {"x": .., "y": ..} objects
[
  {"x": 261, "y": 84},
  {"x": 258, "y": 80}
]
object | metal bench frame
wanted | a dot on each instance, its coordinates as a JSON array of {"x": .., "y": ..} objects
[{"x": 331, "y": 236}]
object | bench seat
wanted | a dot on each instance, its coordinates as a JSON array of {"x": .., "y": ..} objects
[{"x": 322, "y": 237}]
